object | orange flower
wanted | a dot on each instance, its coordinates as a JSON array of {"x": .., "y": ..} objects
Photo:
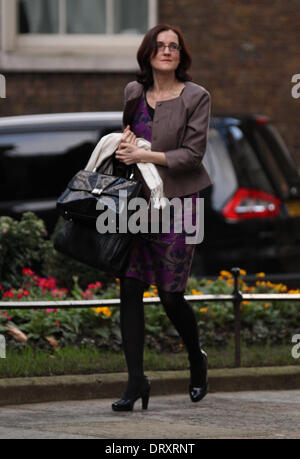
[
  {"x": 196, "y": 292},
  {"x": 225, "y": 273}
]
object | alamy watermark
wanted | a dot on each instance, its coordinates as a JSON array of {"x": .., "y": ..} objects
[
  {"x": 296, "y": 89},
  {"x": 2, "y": 87},
  {"x": 136, "y": 215},
  {"x": 2, "y": 347},
  {"x": 296, "y": 348}
]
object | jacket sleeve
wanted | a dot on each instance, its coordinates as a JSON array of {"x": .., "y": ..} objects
[{"x": 189, "y": 156}]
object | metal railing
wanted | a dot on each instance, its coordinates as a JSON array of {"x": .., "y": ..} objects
[{"x": 236, "y": 297}]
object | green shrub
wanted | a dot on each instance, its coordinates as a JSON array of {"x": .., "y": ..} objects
[{"x": 22, "y": 243}]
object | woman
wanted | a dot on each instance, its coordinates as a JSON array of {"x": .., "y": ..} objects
[{"x": 166, "y": 108}]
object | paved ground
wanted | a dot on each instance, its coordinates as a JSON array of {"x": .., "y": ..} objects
[{"x": 259, "y": 414}]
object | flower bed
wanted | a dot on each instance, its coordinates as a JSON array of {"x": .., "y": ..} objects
[{"x": 262, "y": 322}]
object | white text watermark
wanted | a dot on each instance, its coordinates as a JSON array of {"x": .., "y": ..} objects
[
  {"x": 133, "y": 216},
  {"x": 296, "y": 89},
  {"x": 2, "y": 87},
  {"x": 2, "y": 347},
  {"x": 296, "y": 348}
]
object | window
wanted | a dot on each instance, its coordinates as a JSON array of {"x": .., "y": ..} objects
[
  {"x": 30, "y": 160},
  {"x": 82, "y": 16},
  {"x": 249, "y": 169},
  {"x": 220, "y": 169},
  {"x": 96, "y": 35}
]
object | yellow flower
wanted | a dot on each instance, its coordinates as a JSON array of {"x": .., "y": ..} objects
[
  {"x": 196, "y": 292},
  {"x": 262, "y": 283},
  {"x": 294, "y": 291},
  {"x": 149, "y": 295},
  {"x": 243, "y": 272},
  {"x": 225, "y": 273},
  {"x": 280, "y": 288},
  {"x": 230, "y": 282},
  {"x": 246, "y": 302},
  {"x": 104, "y": 310},
  {"x": 260, "y": 274},
  {"x": 267, "y": 305},
  {"x": 204, "y": 310}
]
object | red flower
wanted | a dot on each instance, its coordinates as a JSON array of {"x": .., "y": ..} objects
[
  {"x": 8, "y": 294},
  {"x": 6, "y": 315},
  {"x": 57, "y": 324},
  {"x": 1, "y": 288},
  {"x": 27, "y": 271},
  {"x": 97, "y": 284}
]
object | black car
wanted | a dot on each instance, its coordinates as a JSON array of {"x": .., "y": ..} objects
[{"x": 252, "y": 210}]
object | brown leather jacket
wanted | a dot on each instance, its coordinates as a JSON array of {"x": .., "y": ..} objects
[{"x": 179, "y": 129}]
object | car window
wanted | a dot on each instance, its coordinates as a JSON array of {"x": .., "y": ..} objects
[
  {"x": 40, "y": 164},
  {"x": 249, "y": 169},
  {"x": 271, "y": 165},
  {"x": 220, "y": 169},
  {"x": 32, "y": 144}
]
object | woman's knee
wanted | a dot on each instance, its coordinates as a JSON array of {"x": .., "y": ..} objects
[
  {"x": 171, "y": 300},
  {"x": 131, "y": 289}
]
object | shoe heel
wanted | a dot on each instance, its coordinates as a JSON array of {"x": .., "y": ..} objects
[{"x": 145, "y": 400}]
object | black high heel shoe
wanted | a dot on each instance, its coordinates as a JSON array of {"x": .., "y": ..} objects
[
  {"x": 142, "y": 391},
  {"x": 197, "y": 393}
]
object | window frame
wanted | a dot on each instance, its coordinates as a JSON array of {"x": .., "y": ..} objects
[{"x": 96, "y": 52}]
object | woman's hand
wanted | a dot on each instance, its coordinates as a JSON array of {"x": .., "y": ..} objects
[
  {"x": 129, "y": 153},
  {"x": 128, "y": 136}
]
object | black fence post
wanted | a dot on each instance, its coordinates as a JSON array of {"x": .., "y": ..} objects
[{"x": 238, "y": 297}]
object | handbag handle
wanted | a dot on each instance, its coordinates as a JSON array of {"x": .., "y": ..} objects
[{"x": 130, "y": 169}]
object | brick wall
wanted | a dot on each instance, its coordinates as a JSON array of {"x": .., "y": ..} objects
[{"x": 244, "y": 52}]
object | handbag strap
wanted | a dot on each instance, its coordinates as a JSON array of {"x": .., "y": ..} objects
[{"x": 130, "y": 167}]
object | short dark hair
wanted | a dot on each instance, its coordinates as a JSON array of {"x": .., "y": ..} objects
[{"x": 145, "y": 76}]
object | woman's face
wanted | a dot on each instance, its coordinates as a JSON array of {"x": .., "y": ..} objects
[{"x": 166, "y": 60}]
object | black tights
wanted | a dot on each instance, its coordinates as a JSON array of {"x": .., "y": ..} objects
[{"x": 133, "y": 327}]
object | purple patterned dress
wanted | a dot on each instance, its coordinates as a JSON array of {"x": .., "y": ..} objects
[{"x": 161, "y": 259}]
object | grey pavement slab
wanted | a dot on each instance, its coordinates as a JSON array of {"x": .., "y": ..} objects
[{"x": 259, "y": 414}]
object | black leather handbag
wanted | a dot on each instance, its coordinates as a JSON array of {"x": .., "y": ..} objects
[
  {"x": 86, "y": 189},
  {"x": 79, "y": 238},
  {"x": 107, "y": 252}
]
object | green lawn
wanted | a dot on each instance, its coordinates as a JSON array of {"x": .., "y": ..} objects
[{"x": 71, "y": 360}]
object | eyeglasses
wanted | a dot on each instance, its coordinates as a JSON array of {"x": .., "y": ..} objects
[{"x": 173, "y": 47}]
